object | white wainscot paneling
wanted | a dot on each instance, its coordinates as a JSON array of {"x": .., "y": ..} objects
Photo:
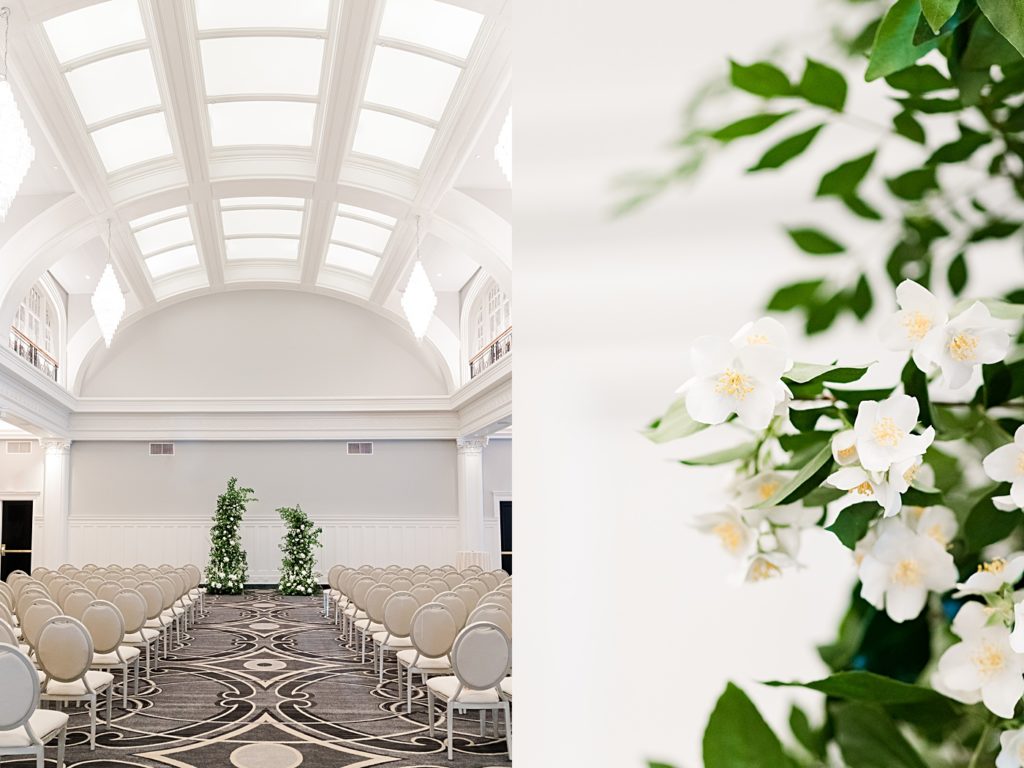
[{"x": 349, "y": 541}]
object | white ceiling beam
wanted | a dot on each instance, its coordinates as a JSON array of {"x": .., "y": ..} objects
[
  {"x": 488, "y": 75},
  {"x": 34, "y": 66},
  {"x": 179, "y": 70},
  {"x": 350, "y": 58}
]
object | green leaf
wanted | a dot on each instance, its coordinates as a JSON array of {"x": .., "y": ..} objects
[
  {"x": 959, "y": 150},
  {"x": 854, "y": 397},
  {"x": 956, "y": 276},
  {"x": 806, "y": 373},
  {"x": 915, "y": 384},
  {"x": 805, "y": 419},
  {"x": 738, "y": 737},
  {"x": 724, "y": 456},
  {"x": 794, "y": 295},
  {"x": 1003, "y": 310},
  {"x": 913, "y": 185},
  {"x": 922, "y": 78},
  {"x": 868, "y": 738},
  {"x": 810, "y": 738},
  {"x": 869, "y": 687},
  {"x": 814, "y": 242},
  {"x": 995, "y": 230},
  {"x": 894, "y": 47},
  {"x": 658, "y": 765},
  {"x": 954, "y": 422},
  {"x": 748, "y": 126},
  {"x": 853, "y": 522},
  {"x": 860, "y": 207},
  {"x": 760, "y": 79},
  {"x": 823, "y": 85},
  {"x": 985, "y": 524},
  {"x": 1004, "y": 380},
  {"x": 844, "y": 178},
  {"x": 809, "y": 477},
  {"x": 906, "y": 125},
  {"x": 674, "y": 424},
  {"x": 931, "y": 106},
  {"x": 786, "y": 150},
  {"x": 938, "y": 12},
  {"x": 861, "y": 301},
  {"x": 921, "y": 497},
  {"x": 1007, "y": 16}
]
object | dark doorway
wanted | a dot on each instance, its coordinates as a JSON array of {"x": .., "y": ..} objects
[
  {"x": 505, "y": 511},
  {"x": 16, "y": 538}
]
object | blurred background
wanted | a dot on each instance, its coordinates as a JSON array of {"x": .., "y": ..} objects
[{"x": 636, "y": 620}]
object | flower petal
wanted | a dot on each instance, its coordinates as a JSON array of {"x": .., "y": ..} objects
[
  {"x": 711, "y": 355},
  {"x": 706, "y": 405}
]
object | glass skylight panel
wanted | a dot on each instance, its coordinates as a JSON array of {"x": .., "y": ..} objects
[
  {"x": 95, "y": 28},
  {"x": 267, "y": 221},
  {"x": 262, "y": 122},
  {"x": 352, "y": 259},
  {"x": 160, "y": 236},
  {"x": 408, "y": 81},
  {"x": 115, "y": 86},
  {"x": 149, "y": 218},
  {"x": 254, "y": 14},
  {"x": 366, "y": 213},
  {"x": 241, "y": 65},
  {"x": 433, "y": 24},
  {"x": 251, "y": 202},
  {"x": 133, "y": 141},
  {"x": 262, "y": 248},
  {"x": 361, "y": 233},
  {"x": 172, "y": 261},
  {"x": 392, "y": 138}
]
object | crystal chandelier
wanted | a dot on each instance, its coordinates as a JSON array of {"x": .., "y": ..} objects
[
  {"x": 16, "y": 151},
  {"x": 419, "y": 299},
  {"x": 107, "y": 301},
  {"x": 503, "y": 149}
]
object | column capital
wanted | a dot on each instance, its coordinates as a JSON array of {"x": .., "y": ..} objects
[
  {"x": 56, "y": 447},
  {"x": 470, "y": 444}
]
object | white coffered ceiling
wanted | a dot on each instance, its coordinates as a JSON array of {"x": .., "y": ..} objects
[{"x": 262, "y": 141}]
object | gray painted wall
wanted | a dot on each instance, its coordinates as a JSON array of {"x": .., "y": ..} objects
[
  {"x": 263, "y": 343},
  {"x": 401, "y": 479}
]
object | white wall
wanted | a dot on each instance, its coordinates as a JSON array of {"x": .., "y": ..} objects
[
  {"x": 497, "y": 461},
  {"x": 398, "y": 505},
  {"x": 21, "y": 473},
  {"x": 263, "y": 343}
]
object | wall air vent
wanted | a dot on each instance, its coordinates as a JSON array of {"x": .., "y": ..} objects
[
  {"x": 19, "y": 446},
  {"x": 360, "y": 449},
  {"x": 161, "y": 449}
]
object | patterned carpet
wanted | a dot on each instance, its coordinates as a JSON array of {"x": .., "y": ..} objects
[{"x": 262, "y": 682}]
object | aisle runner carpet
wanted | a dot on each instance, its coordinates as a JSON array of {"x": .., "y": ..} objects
[{"x": 262, "y": 682}]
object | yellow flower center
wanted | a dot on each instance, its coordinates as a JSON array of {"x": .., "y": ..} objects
[
  {"x": 917, "y": 325},
  {"x": 963, "y": 347},
  {"x": 915, "y": 511},
  {"x": 907, "y": 573},
  {"x": 755, "y": 339},
  {"x": 864, "y": 489},
  {"x": 730, "y": 536},
  {"x": 988, "y": 659},
  {"x": 767, "y": 489},
  {"x": 938, "y": 534},
  {"x": 847, "y": 453},
  {"x": 994, "y": 566},
  {"x": 911, "y": 473},
  {"x": 1020, "y": 463},
  {"x": 734, "y": 384},
  {"x": 887, "y": 433},
  {"x": 762, "y": 570}
]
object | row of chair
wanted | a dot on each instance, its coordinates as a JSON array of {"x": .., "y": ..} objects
[{"x": 451, "y": 629}]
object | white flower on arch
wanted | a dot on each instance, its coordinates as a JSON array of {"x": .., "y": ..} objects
[{"x": 1006, "y": 465}]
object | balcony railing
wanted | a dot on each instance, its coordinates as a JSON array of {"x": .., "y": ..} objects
[
  {"x": 491, "y": 354},
  {"x": 28, "y": 350}
]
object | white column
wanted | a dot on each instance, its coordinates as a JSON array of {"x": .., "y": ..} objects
[
  {"x": 470, "y": 467},
  {"x": 56, "y": 503}
]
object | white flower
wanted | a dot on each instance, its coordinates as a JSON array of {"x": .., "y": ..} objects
[
  {"x": 759, "y": 488},
  {"x": 983, "y": 667},
  {"x": 971, "y": 338},
  {"x": 867, "y": 486},
  {"x": 920, "y": 313},
  {"x": 766, "y": 331},
  {"x": 1006, "y": 465},
  {"x": 938, "y": 522},
  {"x": 991, "y": 576},
  {"x": 1011, "y": 752},
  {"x": 900, "y": 569},
  {"x": 1017, "y": 635},
  {"x": 883, "y": 432},
  {"x": 844, "y": 448},
  {"x": 767, "y": 565},
  {"x": 745, "y": 381},
  {"x": 732, "y": 532}
]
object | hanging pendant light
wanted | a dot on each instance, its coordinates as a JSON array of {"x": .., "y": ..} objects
[
  {"x": 108, "y": 302},
  {"x": 16, "y": 150},
  {"x": 503, "y": 149},
  {"x": 419, "y": 299}
]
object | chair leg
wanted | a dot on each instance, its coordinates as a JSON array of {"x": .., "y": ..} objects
[
  {"x": 138, "y": 660},
  {"x": 39, "y": 758},
  {"x": 430, "y": 710},
  {"x": 508, "y": 727},
  {"x": 61, "y": 738},
  {"x": 408, "y": 710},
  {"x": 92, "y": 722},
  {"x": 124, "y": 678},
  {"x": 110, "y": 702},
  {"x": 449, "y": 716},
  {"x": 483, "y": 722},
  {"x": 398, "y": 664}
]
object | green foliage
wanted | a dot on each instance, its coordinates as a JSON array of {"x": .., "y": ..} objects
[
  {"x": 738, "y": 737},
  {"x": 228, "y": 567},
  {"x": 299, "y": 545}
]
